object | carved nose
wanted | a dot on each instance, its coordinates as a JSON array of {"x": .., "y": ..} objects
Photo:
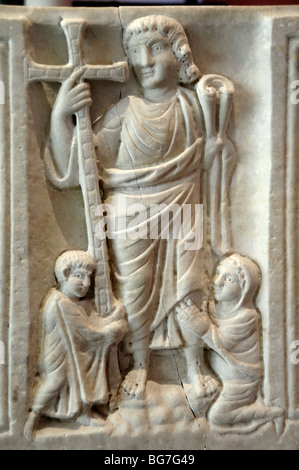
[
  {"x": 146, "y": 59},
  {"x": 218, "y": 282}
]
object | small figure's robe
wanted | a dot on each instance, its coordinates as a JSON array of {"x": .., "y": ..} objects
[{"x": 78, "y": 357}]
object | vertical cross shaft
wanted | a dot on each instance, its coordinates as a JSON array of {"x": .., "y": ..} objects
[{"x": 88, "y": 176}]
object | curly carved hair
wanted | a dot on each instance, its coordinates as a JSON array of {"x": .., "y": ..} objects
[
  {"x": 188, "y": 71},
  {"x": 71, "y": 260}
]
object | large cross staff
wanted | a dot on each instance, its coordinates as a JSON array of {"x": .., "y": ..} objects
[{"x": 88, "y": 176}]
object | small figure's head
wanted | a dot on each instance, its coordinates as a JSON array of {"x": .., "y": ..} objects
[
  {"x": 73, "y": 271},
  {"x": 236, "y": 281},
  {"x": 158, "y": 49}
]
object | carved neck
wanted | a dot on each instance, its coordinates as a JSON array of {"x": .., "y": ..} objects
[
  {"x": 160, "y": 95},
  {"x": 227, "y": 309}
]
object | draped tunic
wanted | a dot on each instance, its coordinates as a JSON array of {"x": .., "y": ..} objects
[
  {"x": 149, "y": 155},
  {"x": 236, "y": 358},
  {"x": 236, "y": 340},
  {"x": 78, "y": 358}
]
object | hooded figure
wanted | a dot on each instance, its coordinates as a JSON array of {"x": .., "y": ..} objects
[{"x": 235, "y": 355}]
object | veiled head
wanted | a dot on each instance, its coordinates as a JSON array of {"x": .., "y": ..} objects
[{"x": 238, "y": 277}]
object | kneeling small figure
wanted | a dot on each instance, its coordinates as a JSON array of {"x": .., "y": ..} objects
[{"x": 233, "y": 336}]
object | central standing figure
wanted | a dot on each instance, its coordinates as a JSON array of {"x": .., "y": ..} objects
[{"x": 150, "y": 150}]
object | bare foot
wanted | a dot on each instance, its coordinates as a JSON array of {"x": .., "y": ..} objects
[
  {"x": 205, "y": 385},
  {"x": 279, "y": 423},
  {"x": 114, "y": 401},
  {"x": 30, "y": 426},
  {"x": 134, "y": 383}
]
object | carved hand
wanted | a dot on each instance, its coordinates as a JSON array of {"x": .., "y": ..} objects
[
  {"x": 195, "y": 319},
  {"x": 70, "y": 99},
  {"x": 72, "y": 95},
  {"x": 115, "y": 324},
  {"x": 114, "y": 332}
]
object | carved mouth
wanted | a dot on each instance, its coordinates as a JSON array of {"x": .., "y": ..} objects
[
  {"x": 217, "y": 289},
  {"x": 147, "y": 72}
]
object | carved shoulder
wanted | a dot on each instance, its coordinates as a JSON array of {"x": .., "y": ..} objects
[
  {"x": 51, "y": 299},
  {"x": 107, "y": 131},
  {"x": 194, "y": 104},
  {"x": 50, "y": 307},
  {"x": 112, "y": 119}
]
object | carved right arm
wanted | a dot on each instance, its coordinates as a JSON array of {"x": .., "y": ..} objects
[
  {"x": 70, "y": 99},
  {"x": 93, "y": 330}
]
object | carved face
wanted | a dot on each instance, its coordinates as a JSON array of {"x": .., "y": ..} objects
[
  {"x": 153, "y": 60},
  {"x": 77, "y": 283},
  {"x": 226, "y": 285}
]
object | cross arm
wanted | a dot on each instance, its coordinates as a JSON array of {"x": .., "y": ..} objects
[{"x": 58, "y": 73}]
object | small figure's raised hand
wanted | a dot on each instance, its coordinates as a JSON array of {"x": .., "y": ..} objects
[
  {"x": 114, "y": 332},
  {"x": 195, "y": 319},
  {"x": 73, "y": 95},
  {"x": 115, "y": 325}
]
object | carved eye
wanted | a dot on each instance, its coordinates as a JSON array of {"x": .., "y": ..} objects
[
  {"x": 79, "y": 275},
  {"x": 134, "y": 50},
  {"x": 231, "y": 279},
  {"x": 158, "y": 47}
]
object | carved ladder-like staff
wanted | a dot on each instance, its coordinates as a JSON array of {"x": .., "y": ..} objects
[{"x": 74, "y": 31}]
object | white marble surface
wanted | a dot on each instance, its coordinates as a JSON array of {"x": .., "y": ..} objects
[{"x": 256, "y": 49}]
